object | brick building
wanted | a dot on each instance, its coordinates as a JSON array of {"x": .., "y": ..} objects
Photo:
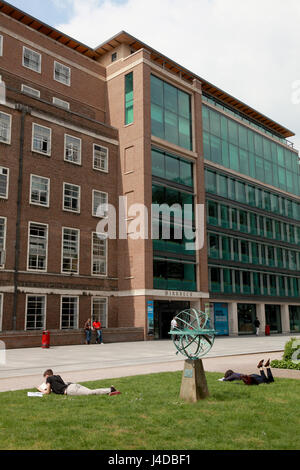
[{"x": 80, "y": 127}]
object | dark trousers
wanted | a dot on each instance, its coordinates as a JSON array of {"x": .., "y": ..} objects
[{"x": 269, "y": 378}]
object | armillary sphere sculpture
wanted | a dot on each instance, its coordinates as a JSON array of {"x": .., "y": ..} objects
[{"x": 191, "y": 336}]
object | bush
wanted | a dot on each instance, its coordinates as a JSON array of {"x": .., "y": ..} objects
[{"x": 286, "y": 362}]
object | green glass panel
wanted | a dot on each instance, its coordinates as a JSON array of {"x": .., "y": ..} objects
[
  {"x": 215, "y": 123},
  {"x": 258, "y": 144},
  {"x": 186, "y": 173},
  {"x": 216, "y": 149},
  {"x": 212, "y": 213},
  {"x": 234, "y": 157},
  {"x": 267, "y": 149},
  {"x": 158, "y": 163},
  {"x": 255, "y": 253},
  {"x": 260, "y": 172},
  {"x": 171, "y": 127},
  {"x": 233, "y": 132},
  {"x": 245, "y": 251},
  {"x": 224, "y": 128},
  {"x": 210, "y": 181},
  {"x": 222, "y": 186},
  {"x": 129, "y": 98},
  {"x": 184, "y": 107},
  {"x": 206, "y": 146},
  {"x": 234, "y": 218},
  {"x": 170, "y": 97},
  {"x": 256, "y": 283},
  {"x": 172, "y": 169},
  {"x": 157, "y": 121},
  {"x": 251, "y": 195},
  {"x": 184, "y": 132},
  {"x": 215, "y": 279},
  {"x": 227, "y": 280},
  {"x": 243, "y": 137},
  {"x": 225, "y": 154},
  {"x": 244, "y": 162},
  {"x": 237, "y": 282},
  {"x": 253, "y": 223},
  {"x": 157, "y": 94},
  {"x": 213, "y": 246},
  {"x": 241, "y": 192},
  {"x": 226, "y": 251},
  {"x": 225, "y": 216}
]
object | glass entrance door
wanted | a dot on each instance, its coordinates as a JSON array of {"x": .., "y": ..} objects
[
  {"x": 164, "y": 311},
  {"x": 246, "y": 318},
  {"x": 273, "y": 318}
]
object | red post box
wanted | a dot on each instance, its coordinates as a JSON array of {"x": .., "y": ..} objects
[
  {"x": 267, "y": 330},
  {"x": 46, "y": 340}
]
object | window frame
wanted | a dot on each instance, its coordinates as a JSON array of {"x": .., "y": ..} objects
[
  {"x": 28, "y": 268},
  {"x": 44, "y": 313},
  {"x": 62, "y": 251},
  {"x": 48, "y": 191},
  {"x": 107, "y": 158},
  {"x": 48, "y": 153},
  {"x": 65, "y": 149},
  {"x": 106, "y": 255},
  {"x": 32, "y": 95},
  {"x": 103, "y": 324},
  {"x": 54, "y": 73},
  {"x": 40, "y": 60},
  {"x": 79, "y": 198},
  {"x": 2, "y": 266},
  {"x": 94, "y": 214},
  {"x": 77, "y": 312},
  {"x": 1, "y": 54},
  {"x": 8, "y": 142},
  {"x": 61, "y": 106},
  {"x": 7, "y": 182}
]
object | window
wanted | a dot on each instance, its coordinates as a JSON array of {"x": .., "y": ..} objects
[
  {"x": 62, "y": 73},
  {"x": 2, "y": 240},
  {"x": 114, "y": 57},
  {"x": 5, "y": 128},
  {"x": 35, "y": 312},
  {"x": 100, "y": 158},
  {"x": 61, "y": 103},
  {"x": 99, "y": 254},
  {"x": 39, "y": 190},
  {"x": 4, "y": 175},
  {"x": 27, "y": 90},
  {"x": 1, "y": 45},
  {"x": 32, "y": 60},
  {"x": 70, "y": 251},
  {"x": 71, "y": 198},
  {"x": 72, "y": 149},
  {"x": 69, "y": 313},
  {"x": 129, "y": 98},
  {"x": 41, "y": 139},
  {"x": 100, "y": 201},
  {"x": 37, "y": 247},
  {"x": 99, "y": 310}
]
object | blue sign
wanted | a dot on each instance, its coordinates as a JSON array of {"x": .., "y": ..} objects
[
  {"x": 150, "y": 315},
  {"x": 221, "y": 319}
]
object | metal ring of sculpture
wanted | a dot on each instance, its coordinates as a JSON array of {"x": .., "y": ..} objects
[{"x": 191, "y": 336}]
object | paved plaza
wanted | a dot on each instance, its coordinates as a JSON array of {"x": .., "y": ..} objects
[{"x": 23, "y": 368}]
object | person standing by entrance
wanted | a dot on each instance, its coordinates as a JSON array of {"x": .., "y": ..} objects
[
  {"x": 98, "y": 328},
  {"x": 257, "y": 325},
  {"x": 88, "y": 331}
]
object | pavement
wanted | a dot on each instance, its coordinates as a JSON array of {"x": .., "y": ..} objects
[{"x": 23, "y": 368}]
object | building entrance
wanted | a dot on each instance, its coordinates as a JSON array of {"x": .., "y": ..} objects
[
  {"x": 273, "y": 318},
  {"x": 246, "y": 318},
  {"x": 164, "y": 311}
]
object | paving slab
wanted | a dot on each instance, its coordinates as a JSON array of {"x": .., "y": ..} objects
[{"x": 23, "y": 368}]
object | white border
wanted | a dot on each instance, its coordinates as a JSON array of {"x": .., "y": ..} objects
[
  {"x": 2, "y": 266},
  {"x": 26, "y": 310},
  {"x": 62, "y": 250},
  {"x": 28, "y": 245},
  {"x": 66, "y": 108},
  {"x": 1, "y": 54},
  {"x": 48, "y": 154},
  {"x": 106, "y": 305},
  {"x": 93, "y": 200},
  {"x": 65, "y": 148},
  {"x": 59, "y": 81},
  {"x": 7, "y": 186},
  {"x": 48, "y": 192},
  {"x": 78, "y": 311},
  {"x": 29, "y": 68},
  {"x": 32, "y": 95},
  {"x": 106, "y": 256},
  {"x": 79, "y": 198},
  {"x": 10, "y": 124},
  {"x": 107, "y": 150}
]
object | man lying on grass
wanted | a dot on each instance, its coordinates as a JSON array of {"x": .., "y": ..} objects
[
  {"x": 253, "y": 379},
  {"x": 55, "y": 384}
]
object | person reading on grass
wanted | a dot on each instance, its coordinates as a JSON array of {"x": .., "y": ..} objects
[
  {"x": 253, "y": 379},
  {"x": 55, "y": 384}
]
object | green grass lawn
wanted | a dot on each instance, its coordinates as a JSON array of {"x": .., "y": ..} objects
[{"x": 149, "y": 415}]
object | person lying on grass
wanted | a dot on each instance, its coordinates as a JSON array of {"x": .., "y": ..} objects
[
  {"x": 55, "y": 384},
  {"x": 253, "y": 379}
]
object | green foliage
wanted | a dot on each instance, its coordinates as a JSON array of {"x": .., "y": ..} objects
[{"x": 286, "y": 362}]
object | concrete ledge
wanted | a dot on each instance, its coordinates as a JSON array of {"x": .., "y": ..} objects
[{"x": 32, "y": 339}]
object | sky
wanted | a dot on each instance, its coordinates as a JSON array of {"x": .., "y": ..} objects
[{"x": 249, "y": 48}]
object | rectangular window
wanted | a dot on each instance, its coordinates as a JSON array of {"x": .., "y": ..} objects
[
  {"x": 129, "y": 98},
  {"x": 2, "y": 241},
  {"x": 99, "y": 310},
  {"x": 4, "y": 176},
  {"x": 39, "y": 190},
  {"x": 35, "y": 312},
  {"x": 41, "y": 139},
  {"x": 27, "y": 90},
  {"x": 62, "y": 73},
  {"x": 100, "y": 158},
  {"x": 69, "y": 313},
  {"x": 1, "y": 45},
  {"x": 71, "y": 200},
  {"x": 100, "y": 201},
  {"x": 99, "y": 254},
  {"x": 72, "y": 149},
  {"x": 5, "y": 128},
  {"x": 32, "y": 60},
  {"x": 37, "y": 247},
  {"x": 70, "y": 250},
  {"x": 61, "y": 103}
]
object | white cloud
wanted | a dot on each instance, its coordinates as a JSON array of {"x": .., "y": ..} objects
[{"x": 249, "y": 48}]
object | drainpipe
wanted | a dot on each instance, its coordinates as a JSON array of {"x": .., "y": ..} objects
[{"x": 24, "y": 110}]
